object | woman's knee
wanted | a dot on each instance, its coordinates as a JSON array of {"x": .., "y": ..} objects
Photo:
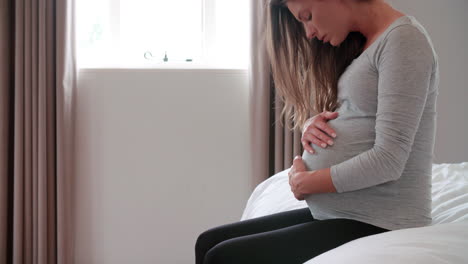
[
  {"x": 214, "y": 235},
  {"x": 224, "y": 252},
  {"x": 214, "y": 255},
  {"x": 204, "y": 240},
  {"x": 202, "y": 245}
]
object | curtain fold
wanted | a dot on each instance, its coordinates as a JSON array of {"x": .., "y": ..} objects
[
  {"x": 6, "y": 78},
  {"x": 66, "y": 83},
  {"x": 273, "y": 146},
  {"x": 37, "y": 86}
]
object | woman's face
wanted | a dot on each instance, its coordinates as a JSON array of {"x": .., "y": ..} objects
[{"x": 327, "y": 20}]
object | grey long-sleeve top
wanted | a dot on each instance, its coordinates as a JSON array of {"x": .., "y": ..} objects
[{"x": 381, "y": 162}]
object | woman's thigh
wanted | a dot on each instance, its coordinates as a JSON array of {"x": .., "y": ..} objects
[
  {"x": 213, "y": 236},
  {"x": 293, "y": 244}
]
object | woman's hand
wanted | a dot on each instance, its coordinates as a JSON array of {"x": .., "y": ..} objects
[
  {"x": 298, "y": 178},
  {"x": 315, "y": 129}
]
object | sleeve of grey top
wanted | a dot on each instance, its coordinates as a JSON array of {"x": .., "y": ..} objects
[{"x": 404, "y": 63}]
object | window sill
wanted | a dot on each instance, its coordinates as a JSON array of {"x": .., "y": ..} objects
[{"x": 169, "y": 67}]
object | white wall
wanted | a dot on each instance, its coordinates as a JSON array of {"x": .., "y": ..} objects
[{"x": 162, "y": 156}]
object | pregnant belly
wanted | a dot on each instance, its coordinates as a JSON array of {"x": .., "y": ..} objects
[{"x": 355, "y": 134}]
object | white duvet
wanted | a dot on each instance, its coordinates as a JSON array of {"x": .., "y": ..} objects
[{"x": 445, "y": 241}]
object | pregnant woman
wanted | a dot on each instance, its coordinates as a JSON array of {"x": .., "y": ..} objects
[{"x": 371, "y": 74}]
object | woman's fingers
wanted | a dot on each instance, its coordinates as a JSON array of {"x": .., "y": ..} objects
[
  {"x": 325, "y": 128},
  {"x": 312, "y": 138},
  {"x": 299, "y": 164},
  {"x": 330, "y": 115},
  {"x": 306, "y": 144},
  {"x": 291, "y": 184},
  {"x": 316, "y": 132},
  {"x": 324, "y": 139}
]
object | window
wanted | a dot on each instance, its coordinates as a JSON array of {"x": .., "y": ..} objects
[{"x": 160, "y": 33}]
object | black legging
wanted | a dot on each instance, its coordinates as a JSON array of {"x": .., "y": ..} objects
[{"x": 287, "y": 237}]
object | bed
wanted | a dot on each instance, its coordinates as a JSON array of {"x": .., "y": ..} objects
[{"x": 444, "y": 241}]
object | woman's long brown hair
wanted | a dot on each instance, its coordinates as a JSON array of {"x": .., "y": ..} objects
[{"x": 305, "y": 72}]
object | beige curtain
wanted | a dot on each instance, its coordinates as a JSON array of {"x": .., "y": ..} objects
[
  {"x": 273, "y": 146},
  {"x": 37, "y": 85}
]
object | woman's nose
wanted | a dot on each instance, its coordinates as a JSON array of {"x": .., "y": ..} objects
[{"x": 310, "y": 33}]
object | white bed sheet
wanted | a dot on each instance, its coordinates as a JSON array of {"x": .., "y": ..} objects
[{"x": 444, "y": 241}]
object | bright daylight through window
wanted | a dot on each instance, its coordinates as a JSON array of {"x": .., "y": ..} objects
[{"x": 162, "y": 33}]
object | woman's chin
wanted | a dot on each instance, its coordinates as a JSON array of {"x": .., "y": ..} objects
[{"x": 334, "y": 42}]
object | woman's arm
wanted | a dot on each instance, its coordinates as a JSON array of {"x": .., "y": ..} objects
[
  {"x": 405, "y": 65},
  {"x": 320, "y": 182}
]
